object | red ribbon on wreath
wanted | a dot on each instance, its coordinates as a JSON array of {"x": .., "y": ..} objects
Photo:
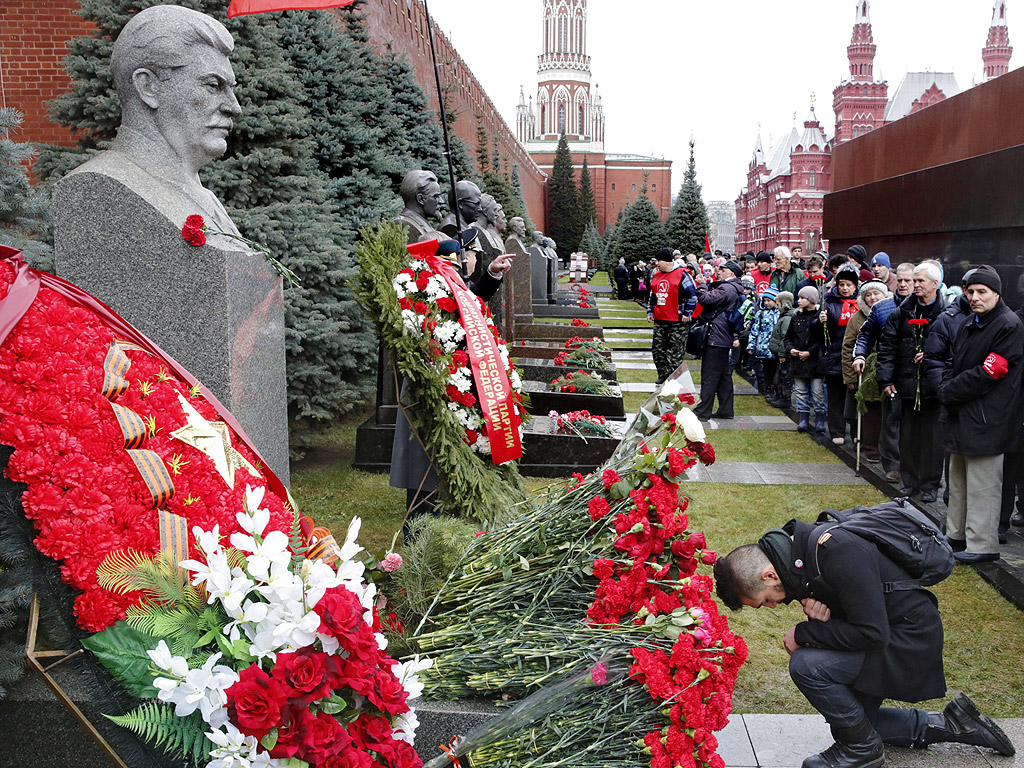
[{"x": 492, "y": 385}]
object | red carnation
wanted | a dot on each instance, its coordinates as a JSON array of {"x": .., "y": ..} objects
[
  {"x": 471, "y": 436},
  {"x": 598, "y": 507},
  {"x": 460, "y": 358},
  {"x": 421, "y": 282},
  {"x": 447, "y": 304},
  {"x": 255, "y": 702},
  {"x": 920, "y": 322},
  {"x": 818, "y": 278},
  {"x": 195, "y": 220},
  {"x": 687, "y": 399},
  {"x": 193, "y": 235},
  {"x": 670, "y": 419},
  {"x": 604, "y": 568},
  {"x": 453, "y": 393},
  {"x": 610, "y": 477},
  {"x": 468, "y": 399},
  {"x": 678, "y": 462},
  {"x": 421, "y": 308}
]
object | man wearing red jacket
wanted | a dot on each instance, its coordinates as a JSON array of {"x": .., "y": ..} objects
[{"x": 670, "y": 307}]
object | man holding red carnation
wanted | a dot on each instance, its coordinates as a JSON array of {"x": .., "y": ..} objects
[{"x": 862, "y": 642}]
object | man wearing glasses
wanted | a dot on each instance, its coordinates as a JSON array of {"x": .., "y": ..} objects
[{"x": 422, "y": 196}]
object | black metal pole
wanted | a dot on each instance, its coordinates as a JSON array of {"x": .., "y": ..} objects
[{"x": 444, "y": 129}]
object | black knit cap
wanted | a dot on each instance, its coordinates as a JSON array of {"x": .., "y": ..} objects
[
  {"x": 665, "y": 254},
  {"x": 859, "y": 252},
  {"x": 984, "y": 275},
  {"x": 764, "y": 256}
]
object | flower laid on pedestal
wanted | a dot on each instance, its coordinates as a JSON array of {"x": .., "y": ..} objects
[
  {"x": 194, "y": 233},
  {"x": 274, "y": 660},
  {"x": 595, "y": 343},
  {"x": 577, "y": 323},
  {"x": 582, "y": 383},
  {"x": 580, "y": 423},
  {"x": 591, "y": 606},
  {"x": 583, "y": 357}
]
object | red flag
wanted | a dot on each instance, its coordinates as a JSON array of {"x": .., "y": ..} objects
[
  {"x": 242, "y": 7},
  {"x": 707, "y": 243}
]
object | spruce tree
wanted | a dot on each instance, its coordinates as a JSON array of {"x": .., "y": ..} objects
[
  {"x": 563, "y": 202},
  {"x": 483, "y": 150},
  {"x": 611, "y": 236},
  {"x": 640, "y": 235},
  {"x": 687, "y": 222},
  {"x": 420, "y": 124},
  {"x": 592, "y": 245},
  {"x": 517, "y": 188},
  {"x": 23, "y": 222},
  {"x": 269, "y": 180},
  {"x": 588, "y": 204}
]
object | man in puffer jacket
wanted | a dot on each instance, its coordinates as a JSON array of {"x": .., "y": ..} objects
[
  {"x": 839, "y": 306},
  {"x": 759, "y": 342},
  {"x": 777, "y": 346},
  {"x": 981, "y": 384},
  {"x": 718, "y": 299},
  {"x": 900, "y": 355}
]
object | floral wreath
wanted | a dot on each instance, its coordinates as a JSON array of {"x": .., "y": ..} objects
[{"x": 417, "y": 325}]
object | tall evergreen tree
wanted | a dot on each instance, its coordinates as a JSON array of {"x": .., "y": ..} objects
[
  {"x": 687, "y": 222},
  {"x": 270, "y": 180},
  {"x": 483, "y": 149},
  {"x": 640, "y": 235},
  {"x": 611, "y": 235},
  {"x": 588, "y": 204},
  {"x": 564, "y": 224},
  {"x": 593, "y": 245},
  {"x": 517, "y": 188},
  {"x": 23, "y": 222},
  {"x": 421, "y": 124}
]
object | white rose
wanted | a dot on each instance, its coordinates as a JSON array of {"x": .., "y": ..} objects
[{"x": 693, "y": 430}]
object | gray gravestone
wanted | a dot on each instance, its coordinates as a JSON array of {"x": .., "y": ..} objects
[
  {"x": 539, "y": 269},
  {"x": 217, "y": 312},
  {"x": 519, "y": 281},
  {"x": 216, "y": 308}
]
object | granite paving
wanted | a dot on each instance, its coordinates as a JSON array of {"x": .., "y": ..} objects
[
  {"x": 647, "y": 386},
  {"x": 761, "y": 473}
]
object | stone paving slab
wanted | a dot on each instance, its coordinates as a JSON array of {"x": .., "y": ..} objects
[
  {"x": 783, "y": 741},
  {"x": 762, "y": 473},
  {"x": 647, "y": 386},
  {"x": 633, "y": 365},
  {"x": 763, "y": 423}
]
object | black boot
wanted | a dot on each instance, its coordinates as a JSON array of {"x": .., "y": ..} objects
[
  {"x": 961, "y": 723},
  {"x": 804, "y": 418},
  {"x": 857, "y": 746}
]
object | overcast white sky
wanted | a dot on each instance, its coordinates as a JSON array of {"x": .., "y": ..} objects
[{"x": 716, "y": 69}]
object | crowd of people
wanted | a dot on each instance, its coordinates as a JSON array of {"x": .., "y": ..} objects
[{"x": 923, "y": 377}]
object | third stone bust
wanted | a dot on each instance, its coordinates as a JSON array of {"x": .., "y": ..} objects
[{"x": 421, "y": 195}]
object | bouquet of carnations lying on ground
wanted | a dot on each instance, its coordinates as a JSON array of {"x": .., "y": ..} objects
[
  {"x": 591, "y": 606},
  {"x": 261, "y": 657}
]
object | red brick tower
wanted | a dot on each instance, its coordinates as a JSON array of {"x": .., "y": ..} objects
[
  {"x": 997, "y": 51},
  {"x": 859, "y": 102},
  {"x": 564, "y": 102}
]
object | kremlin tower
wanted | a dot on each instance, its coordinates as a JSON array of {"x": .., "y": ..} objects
[
  {"x": 997, "y": 51},
  {"x": 859, "y": 102}
]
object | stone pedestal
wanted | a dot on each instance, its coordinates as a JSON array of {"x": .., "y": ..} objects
[
  {"x": 220, "y": 313},
  {"x": 539, "y": 271},
  {"x": 519, "y": 284}
]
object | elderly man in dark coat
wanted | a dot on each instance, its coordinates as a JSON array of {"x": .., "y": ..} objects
[
  {"x": 718, "y": 299},
  {"x": 901, "y": 374},
  {"x": 981, "y": 385},
  {"x": 861, "y": 643}
]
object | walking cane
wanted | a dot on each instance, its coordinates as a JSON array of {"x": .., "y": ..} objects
[{"x": 860, "y": 380}]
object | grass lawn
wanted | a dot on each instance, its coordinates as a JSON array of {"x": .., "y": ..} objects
[
  {"x": 616, "y": 306},
  {"x": 769, "y": 447},
  {"x": 982, "y": 630},
  {"x": 984, "y": 633}
]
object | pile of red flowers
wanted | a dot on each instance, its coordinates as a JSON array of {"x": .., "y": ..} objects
[
  {"x": 294, "y": 703},
  {"x": 581, "y": 382},
  {"x": 595, "y": 343},
  {"x": 654, "y": 581},
  {"x": 85, "y": 496},
  {"x": 583, "y": 301},
  {"x": 194, "y": 231},
  {"x": 577, "y": 323}
]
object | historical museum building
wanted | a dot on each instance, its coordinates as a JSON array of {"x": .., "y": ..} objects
[
  {"x": 566, "y": 103},
  {"x": 781, "y": 203}
]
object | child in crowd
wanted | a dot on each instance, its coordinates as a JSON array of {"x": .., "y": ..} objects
[
  {"x": 803, "y": 349},
  {"x": 759, "y": 343},
  {"x": 777, "y": 346}
]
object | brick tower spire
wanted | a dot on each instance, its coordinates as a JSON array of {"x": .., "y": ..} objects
[
  {"x": 997, "y": 51},
  {"x": 859, "y": 102},
  {"x": 861, "y": 50},
  {"x": 564, "y": 100}
]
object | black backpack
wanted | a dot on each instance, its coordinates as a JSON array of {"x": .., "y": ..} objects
[{"x": 901, "y": 533}]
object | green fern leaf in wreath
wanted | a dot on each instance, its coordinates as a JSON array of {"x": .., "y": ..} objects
[
  {"x": 156, "y": 722},
  {"x": 121, "y": 571}
]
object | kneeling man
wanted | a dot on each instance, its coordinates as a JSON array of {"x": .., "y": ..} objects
[{"x": 859, "y": 645}]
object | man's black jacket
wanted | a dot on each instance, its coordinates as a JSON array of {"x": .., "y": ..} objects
[{"x": 900, "y": 632}]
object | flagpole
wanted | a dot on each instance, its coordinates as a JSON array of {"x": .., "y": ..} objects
[{"x": 444, "y": 129}]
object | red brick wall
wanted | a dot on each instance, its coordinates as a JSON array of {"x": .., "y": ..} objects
[
  {"x": 394, "y": 25},
  {"x": 33, "y": 42}
]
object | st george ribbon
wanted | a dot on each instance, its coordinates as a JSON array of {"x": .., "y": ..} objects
[{"x": 492, "y": 384}]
